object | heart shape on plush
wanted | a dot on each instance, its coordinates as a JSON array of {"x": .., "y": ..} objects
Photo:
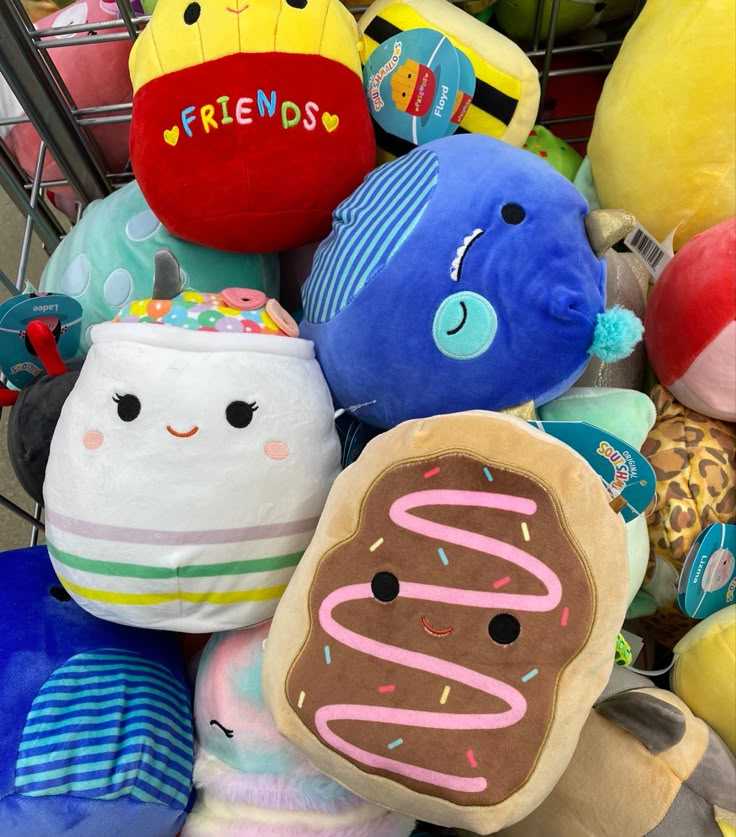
[
  {"x": 171, "y": 135},
  {"x": 330, "y": 121}
]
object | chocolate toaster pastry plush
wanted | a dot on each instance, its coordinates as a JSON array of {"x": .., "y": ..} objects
[
  {"x": 441, "y": 643},
  {"x": 249, "y": 122}
]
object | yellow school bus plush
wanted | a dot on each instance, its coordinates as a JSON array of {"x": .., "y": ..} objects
[{"x": 431, "y": 70}]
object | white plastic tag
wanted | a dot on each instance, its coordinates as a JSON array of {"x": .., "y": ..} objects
[{"x": 653, "y": 255}]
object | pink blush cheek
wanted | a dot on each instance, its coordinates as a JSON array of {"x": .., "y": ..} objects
[
  {"x": 276, "y": 450},
  {"x": 92, "y": 439}
]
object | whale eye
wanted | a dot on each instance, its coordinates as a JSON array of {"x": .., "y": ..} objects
[
  {"x": 512, "y": 213},
  {"x": 240, "y": 413},
  {"x": 192, "y": 13},
  {"x": 504, "y": 629},
  {"x": 215, "y": 723},
  {"x": 59, "y": 593},
  {"x": 297, "y": 4},
  {"x": 129, "y": 406},
  {"x": 385, "y": 586}
]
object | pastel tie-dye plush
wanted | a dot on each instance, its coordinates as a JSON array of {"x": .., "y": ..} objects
[{"x": 250, "y": 780}]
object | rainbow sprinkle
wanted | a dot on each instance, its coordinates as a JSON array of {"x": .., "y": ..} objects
[
  {"x": 525, "y": 530},
  {"x": 445, "y": 694},
  {"x": 373, "y": 547},
  {"x": 471, "y": 758},
  {"x": 502, "y": 582},
  {"x": 384, "y": 689},
  {"x": 443, "y": 557},
  {"x": 397, "y": 743},
  {"x": 301, "y": 700},
  {"x": 489, "y": 475},
  {"x": 432, "y": 473},
  {"x": 328, "y": 658},
  {"x": 528, "y": 676},
  {"x": 565, "y": 614}
]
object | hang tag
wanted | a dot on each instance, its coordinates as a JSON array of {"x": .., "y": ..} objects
[
  {"x": 708, "y": 577},
  {"x": 626, "y": 474},
  {"x": 63, "y": 316},
  {"x": 653, "y": 255}
]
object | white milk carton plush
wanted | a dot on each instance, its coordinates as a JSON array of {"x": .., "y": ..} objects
[{"x": 191, "y": 461}]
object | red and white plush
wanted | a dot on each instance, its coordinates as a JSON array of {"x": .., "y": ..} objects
[
  {"x": 96, "y": 75},
  {"x": 690, "y": 326}
]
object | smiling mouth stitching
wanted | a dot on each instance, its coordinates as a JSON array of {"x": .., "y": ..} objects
[
  {"x": 442, "y": 632},
  {"x": 182, "y": 435},
  {"x": 462, "y": 322},
  {"x": 237, "y": 11}
]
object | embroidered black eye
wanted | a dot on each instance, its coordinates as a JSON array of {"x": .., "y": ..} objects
[
  {"x": 297, "y": 4},
  {"x": 512, "y": 213},
  {"x": 192, "y": 13},
  {"x": 504, "y": 629},
  {"x": 385, "y": 586},
  {"x": 240, "y": 413},
  {"x": 129, "y": 406},
  {"x": 228, "y": 732},
  {"x": 59, "y": 593}
]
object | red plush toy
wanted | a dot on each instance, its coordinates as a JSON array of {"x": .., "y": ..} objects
[
  {"x": 690, "y": 326},
  {"x": 249, "y": 120}
]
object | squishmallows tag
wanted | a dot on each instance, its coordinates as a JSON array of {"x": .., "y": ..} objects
[
  {"x": 95, "y": 719},
  {"x": 691, "y": 323},
  {"x": 440, "y": 646},
  {"x": 466, "y": 275},
  {"x": 191, "y": 460},
  {"x": 249, "y": 120},
  {"x": 252, "y": 781},
  {"x": 431, "y": 69}
]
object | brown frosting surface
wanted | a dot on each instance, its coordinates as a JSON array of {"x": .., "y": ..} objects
[{"x": 467, "y": 762}]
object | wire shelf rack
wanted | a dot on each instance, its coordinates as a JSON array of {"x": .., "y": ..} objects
[{"x": 64, "y": 128}]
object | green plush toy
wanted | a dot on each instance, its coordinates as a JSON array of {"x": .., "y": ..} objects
[
  {"x": 555, "y": 151},
  {"x": 518, "y": 17},
  {"x": 107, "y": 260},
  {"x": 625, "y": 413}
]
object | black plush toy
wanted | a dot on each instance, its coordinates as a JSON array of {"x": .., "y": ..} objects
[{"x": 36, "y": 409}]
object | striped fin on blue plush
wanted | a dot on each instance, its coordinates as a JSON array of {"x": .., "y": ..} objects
[
  {"x": 358, "y": 247},
  {"x": 108, "y": 724}
]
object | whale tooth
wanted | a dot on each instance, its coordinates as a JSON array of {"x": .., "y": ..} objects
[{"x": 460, "y": 252}]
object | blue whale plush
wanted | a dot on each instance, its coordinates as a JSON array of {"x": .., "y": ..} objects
[
  {"x": 466, "y": 275},
  {"x": 96, "y": 732}
]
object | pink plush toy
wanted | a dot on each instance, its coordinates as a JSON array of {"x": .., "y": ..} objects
[
  {"x": 690, "y": 325},
  {"x": 250, "y": 781},
  {"x": 95, "y": 74}
]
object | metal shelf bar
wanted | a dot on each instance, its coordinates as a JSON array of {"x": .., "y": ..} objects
[{"x": 40, "y": 98}]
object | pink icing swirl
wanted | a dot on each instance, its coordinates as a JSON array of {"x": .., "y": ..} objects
[{"x": 400, "y": 514}]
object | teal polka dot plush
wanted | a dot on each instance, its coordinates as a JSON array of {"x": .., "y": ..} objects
[{"x": 106, "y": 261}]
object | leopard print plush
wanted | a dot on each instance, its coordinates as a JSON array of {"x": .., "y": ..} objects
[{"x": 694, "y": 459}]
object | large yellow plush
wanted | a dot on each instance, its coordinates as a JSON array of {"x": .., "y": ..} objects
[
  {"x": 704, "y": 675},
  {"x": 662, "y": 144}
]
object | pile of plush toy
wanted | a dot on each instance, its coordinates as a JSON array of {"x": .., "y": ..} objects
[{"x": 444, "y": 543}]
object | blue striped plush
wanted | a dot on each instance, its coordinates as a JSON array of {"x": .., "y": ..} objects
[
  {"x": 104, "y": 725},
  {"x": 359, "y": 246}
]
